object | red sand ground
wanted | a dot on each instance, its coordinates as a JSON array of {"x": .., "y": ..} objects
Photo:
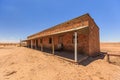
[{"x": 19, "y": 63}]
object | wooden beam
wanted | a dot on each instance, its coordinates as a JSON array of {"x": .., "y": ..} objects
[
  {"x": 117, "y": 54},
  {"x": 59, "y": 32},
  {"x": 111, "y": 54}
]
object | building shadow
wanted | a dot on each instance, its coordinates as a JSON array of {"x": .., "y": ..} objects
[
  {"x": 69, "y": 56},
  {"x": 60, "y": 53},
  {"x": 91, "y": 59},
  {"x": 47, "y": 50},
  {"x": 66, "y": 55}
]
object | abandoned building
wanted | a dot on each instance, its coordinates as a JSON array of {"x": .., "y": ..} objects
[{"x": 79, "y": 36}]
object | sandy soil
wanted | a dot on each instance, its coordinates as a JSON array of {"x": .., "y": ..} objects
[
  {"x": 19, "y": 63},
  {"x": 110, "y": 47},
  {"x": 113, "y": 48}
]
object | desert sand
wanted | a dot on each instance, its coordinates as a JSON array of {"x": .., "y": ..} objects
[{"x": 20, "y": 63}]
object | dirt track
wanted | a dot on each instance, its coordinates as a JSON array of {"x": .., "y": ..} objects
[{"x": 19, "y": 63}]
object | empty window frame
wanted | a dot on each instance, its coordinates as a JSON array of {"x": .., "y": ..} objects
[{"x": 50, "y": 40}]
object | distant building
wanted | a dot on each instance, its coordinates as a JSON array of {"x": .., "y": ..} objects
[{"x": 79, "y": 35}]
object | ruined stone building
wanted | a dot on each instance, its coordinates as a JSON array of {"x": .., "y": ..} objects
[{"x": 79, "y": 35}]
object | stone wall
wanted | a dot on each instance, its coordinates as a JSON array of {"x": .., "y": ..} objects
[
  {"x": 68, "y": 43},
  {"x": 88, "y": 39},
  {"x": 94, "y": 42}
]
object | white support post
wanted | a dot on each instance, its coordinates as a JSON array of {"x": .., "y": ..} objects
[
  {"x": 31, "y": 44},
  {"x": 53, "y": 47},
  {"x": 75, "y": 42}
]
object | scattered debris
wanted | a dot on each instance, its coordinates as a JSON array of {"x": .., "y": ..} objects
[{"x": 10, "y": 73}]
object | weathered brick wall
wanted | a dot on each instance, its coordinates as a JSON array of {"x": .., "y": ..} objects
[
  {"x": 68, "y": 44},
  {"x": 67, "y": 41},
  {"x": 94, "y": 43},
  {"x": 83, "y": 42},
  {"x": 45, "y": 42},
  {"x": 88, "y": 39}
]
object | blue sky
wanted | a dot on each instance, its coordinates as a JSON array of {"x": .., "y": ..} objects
[{"x": 20, "y": 18}]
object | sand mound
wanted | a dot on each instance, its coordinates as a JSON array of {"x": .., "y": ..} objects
[{"x": 19, "y": 63}]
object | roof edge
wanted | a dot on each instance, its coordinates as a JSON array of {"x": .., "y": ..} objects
[{"x": 87, "y": 14}]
